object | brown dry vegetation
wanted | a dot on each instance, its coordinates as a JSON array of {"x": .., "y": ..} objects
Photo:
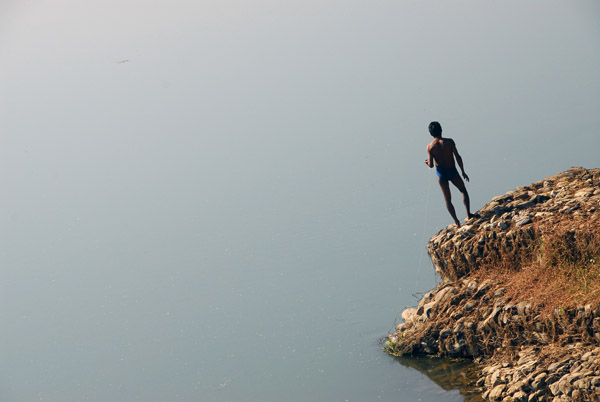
[{"x": 561, "y": 270}]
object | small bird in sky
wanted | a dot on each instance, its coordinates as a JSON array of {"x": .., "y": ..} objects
[{"x": 122, "y": 61}]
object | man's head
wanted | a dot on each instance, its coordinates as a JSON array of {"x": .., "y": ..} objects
[{"x": 435, "y": 129}]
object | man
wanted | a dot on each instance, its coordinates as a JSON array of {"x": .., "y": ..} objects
[{"x": 443, "y": 151}]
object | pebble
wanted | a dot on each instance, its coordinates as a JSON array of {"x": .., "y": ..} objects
[{"x": 523, "y": 222}]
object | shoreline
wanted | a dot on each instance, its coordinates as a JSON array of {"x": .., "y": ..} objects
[{"x": 527, "y": 348}]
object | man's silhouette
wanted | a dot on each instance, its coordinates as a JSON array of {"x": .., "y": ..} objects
[{"x": 443, "y": 151}]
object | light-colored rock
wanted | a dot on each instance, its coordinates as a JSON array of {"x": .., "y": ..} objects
[
  {"x": 497, "y": 377},
  {"x": 496, "y": 392},
  {"x": 409, "y": 315},
  {"x": 469, "y": 306},
  {"x": 519, "y": 396},
  {"x": 515, "y": 386},
  {"x": 582, "y": 383},
  {"x": 424, "y": 312},
  {"x": 584, "y": 193},
  {"x": 537, "y": 396},
  {"x": 565, "y": 387},
  {"x": 539, "y": 381},
  {"x": 443, "y": 293}
]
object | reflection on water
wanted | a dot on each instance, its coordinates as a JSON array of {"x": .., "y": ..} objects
[{"x": 449, "y": 374}]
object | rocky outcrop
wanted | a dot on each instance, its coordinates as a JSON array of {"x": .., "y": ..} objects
[
  {"x": 511, "y": 222},
  {"x": 525, "y": 355}
]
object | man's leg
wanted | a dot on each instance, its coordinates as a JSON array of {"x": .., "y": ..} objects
[
  {"x": 445, "y": 186},
  {"x": 460, "y": 185}
]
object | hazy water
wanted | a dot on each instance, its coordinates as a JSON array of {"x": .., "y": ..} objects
[{"x": 227, "y": 201}]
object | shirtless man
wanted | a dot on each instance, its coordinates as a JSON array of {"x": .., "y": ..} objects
[{"x": 443, "y": 151}]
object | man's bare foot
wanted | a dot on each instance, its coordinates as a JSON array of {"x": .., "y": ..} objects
[{"x": 473, "y": 216}]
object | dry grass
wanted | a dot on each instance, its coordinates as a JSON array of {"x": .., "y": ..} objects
[{"x": 562, "y": 271}]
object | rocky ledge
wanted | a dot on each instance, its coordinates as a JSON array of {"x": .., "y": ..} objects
[
  {"x": 526, "y": 353},
  {"x": 507, "y": 226}
]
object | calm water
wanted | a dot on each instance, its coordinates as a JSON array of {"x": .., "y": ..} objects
[{"x": 227, "y": 201}]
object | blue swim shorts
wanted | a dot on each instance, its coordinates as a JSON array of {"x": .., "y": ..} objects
[{"x": 446, "y": 173}]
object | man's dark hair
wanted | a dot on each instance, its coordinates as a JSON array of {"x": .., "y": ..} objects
[{"x": 435, "y": 129}]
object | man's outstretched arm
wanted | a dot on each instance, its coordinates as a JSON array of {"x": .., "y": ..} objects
[{"x": 459, "y": 161}]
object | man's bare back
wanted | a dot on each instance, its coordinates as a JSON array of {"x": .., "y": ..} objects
[
  {"x": 442, "y": 152},
  {"x": 441, "y": 149}
]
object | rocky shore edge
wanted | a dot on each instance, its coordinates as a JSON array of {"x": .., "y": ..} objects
[{"x": 524, "y": 354}]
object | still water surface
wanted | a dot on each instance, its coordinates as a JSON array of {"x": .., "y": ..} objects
[{"x": 227, "y": 201}]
